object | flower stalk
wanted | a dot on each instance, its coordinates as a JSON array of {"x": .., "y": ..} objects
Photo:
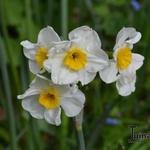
[
  {"x": 78, "y": 125},
  {"x": 64, "y": 29}
]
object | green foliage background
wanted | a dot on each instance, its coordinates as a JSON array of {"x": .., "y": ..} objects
[{"x": 22, "y": 19}]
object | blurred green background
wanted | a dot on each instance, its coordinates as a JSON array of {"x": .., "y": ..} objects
[{"x": 107, "y": 115}]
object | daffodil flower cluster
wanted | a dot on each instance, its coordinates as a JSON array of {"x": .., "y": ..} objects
[{"x": 68, "y": 62}]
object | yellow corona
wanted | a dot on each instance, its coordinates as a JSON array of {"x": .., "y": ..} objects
[
  {"x": 124, "y": 58},
  {"x": 40, "y": 56},
  {"x": 50, "y": 98},
  {"x": 75, "y": 59}
]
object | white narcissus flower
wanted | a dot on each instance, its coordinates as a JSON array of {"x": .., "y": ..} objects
[
  {"x": 77, "y": 59},
  {"x": 44, "y": 100},
  {"x": 122, "y": 68},
  {"x": 37, "y": 52}
]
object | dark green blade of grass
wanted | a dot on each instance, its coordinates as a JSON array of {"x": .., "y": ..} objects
[{"x": 8, "y": 95}]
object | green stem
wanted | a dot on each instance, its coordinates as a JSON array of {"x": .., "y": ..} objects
[
  {"x": 80, "y": 135},
  {"x": 64, "y": 29},
  {"x": 64, "y": 18},
  {"x": 80, "y": 138},
  {"x": 8, "y": 94}
]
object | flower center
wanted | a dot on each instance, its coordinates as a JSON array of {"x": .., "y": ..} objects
[
  {"x": 75, "y": 59},
  {"x": 124, "y": 58},
  {"x": 50, "y": 98},
  {"x": 41, "y": 56}
]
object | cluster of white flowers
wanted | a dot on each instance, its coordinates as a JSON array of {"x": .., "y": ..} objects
[{"x": 75, "y": 60}]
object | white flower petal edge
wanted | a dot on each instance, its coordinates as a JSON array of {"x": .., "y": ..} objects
[
  {"x": 29, "y": 49},
  {"x": 72, "y": 106},
  {"x": 96, "y": 62},
  {"x": 137, "y": 61},
  {"x": 71, "y": 100},
  {"x": 126, "y": 84},
  {"x": 109, "y": 74},
  {"x": 86, "y": 37},
  {"x": 31, "y": 105},
  {"x": 46, "y": 37},
  {"x": 127, "y": 36},
  {"x": 53, "y": 116},
  {"x": 86, "y": 77},
  {"x": 34, "y": 67}
]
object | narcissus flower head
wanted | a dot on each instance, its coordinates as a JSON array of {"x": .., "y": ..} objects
[
  {"x": 37, "y": 53},
  {"x": 78, "y": 59},
  {"x": 122, "y": 68},
  {"x": 44, "y": 100}
]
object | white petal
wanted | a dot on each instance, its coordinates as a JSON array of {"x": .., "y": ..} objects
[
  {"x": 40, "y": 82},
  {"x": 47, "y": 35},
  {"x": 126, "y": 84},
  {"x": 29, "y": 49},
  {"x": 28, "y": 45},
  {"x": 52, "y": 116},
  {"x": 96, "y": 63},
  {"x": 31, "y": 105},
  {"x": 34, "y": 67},
  {"x": 62, "y": 75},
  {"x": 59, "y": 47},
  {"x": 38, "y": 114},
  {"x": 29, "y": 92},
  {"x": 137, "y": 61},
  {"x": 109, "y": 74},
  {"x": 63, "y": 89},
  {"x": 86, "y": 77},
  {"x": 48, "y": 65},
  {"x": 86, "y": 38},
  {"x": 73, "y": 103},
  {"x": 59, "y": 73},
  {"x": 127, "y": 36},
  {"x": 135, "y": 38},
  {"x": 80, "y": 33}
]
